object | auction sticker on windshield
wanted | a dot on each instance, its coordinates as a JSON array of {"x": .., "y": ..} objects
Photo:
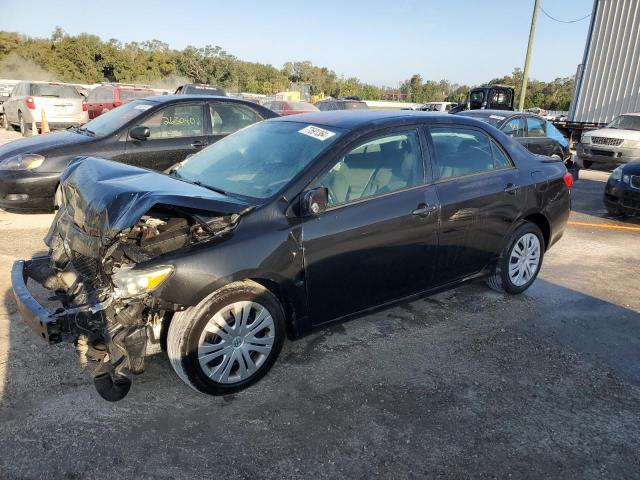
[
  {"x": 142, "y": 107},
  {"x": 497, "y": 117},
  {"x": 317, "y": 132}
]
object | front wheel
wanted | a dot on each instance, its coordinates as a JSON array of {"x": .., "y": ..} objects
[
  {"x": 520, "y": 261},
  {"x": 229, "y": 340}
]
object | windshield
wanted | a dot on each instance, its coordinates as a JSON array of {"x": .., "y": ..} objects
[
  {"x": 112, "y": 120},
  {"x": 53, "y": 90},
  {"x": 625, "y": 122},
  {"x": 490, "y": 118},
  {"x": 259, "y": 160}
]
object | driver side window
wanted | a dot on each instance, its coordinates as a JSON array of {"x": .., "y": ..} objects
[
  {"x": 382, "y": 165},
  {"x": 175, "y": 121}
]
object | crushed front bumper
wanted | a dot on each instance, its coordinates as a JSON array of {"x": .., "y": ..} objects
[
  {"x": 52, "y": 327},
  {"x": 49, "y": 326}
]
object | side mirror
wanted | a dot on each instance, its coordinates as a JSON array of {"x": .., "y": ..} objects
[
  {"x": 140, "y": 132},
  {"x": 315, "y": 201}
]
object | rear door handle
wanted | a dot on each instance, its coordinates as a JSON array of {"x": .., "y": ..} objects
[
  {"x": 198, "y": 144},
  {"x": 424, "y": 210},
  {"x": 511, "y": 189}
]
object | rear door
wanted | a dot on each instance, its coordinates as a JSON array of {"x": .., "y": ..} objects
[
  {"x": 537, "y": 140},
  {"x": 176, "y": 131},
  {"x": 228, "y": 117},
  {"x": 377, "y": 241},
  {"x": 479, "y": 195}
]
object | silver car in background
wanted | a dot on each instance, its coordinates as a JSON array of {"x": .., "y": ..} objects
[{"x": 62, "y": 104}]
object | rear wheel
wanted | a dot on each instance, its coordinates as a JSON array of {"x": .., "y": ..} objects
[
  {"x": 229, "y": 340},
  {"x": 614, "y": 211},
  {"x": 25, "y": 128},
  {"x": 520, "y": 261}
]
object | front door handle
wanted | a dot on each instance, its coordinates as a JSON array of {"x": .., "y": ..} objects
[
  {"x": 424, "y": 210},
  {"x": 198, "y": 144},
  {"x": 511, "y": 189}
]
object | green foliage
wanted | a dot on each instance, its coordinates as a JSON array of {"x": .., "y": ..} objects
[{"x": 86, "y": 58}]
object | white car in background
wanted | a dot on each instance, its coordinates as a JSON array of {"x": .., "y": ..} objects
[
  {"x": 437, "y": 106},
  {"x": 62, "y": 104},
  {"x": 615, "y": 144}
]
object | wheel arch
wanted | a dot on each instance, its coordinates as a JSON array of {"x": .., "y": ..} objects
[
  {"x": 543, "y": 224},
  {"x": 287, "y": 305}
]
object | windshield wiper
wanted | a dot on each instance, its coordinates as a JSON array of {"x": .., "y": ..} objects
[
  {"x": 50, "y": 95},
  {"x": 86, "y": 130},
  {"x": 209, "y": 187},
  {"x": 174, "y": 173}
]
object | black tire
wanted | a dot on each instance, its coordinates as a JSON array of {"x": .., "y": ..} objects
[
  {"x": 5, "y": 123},
  {"x": 499, "y": 279},
  {"x": 57, "y": 198},
  {"x": 614, "y": 211},
  {"x": 187, "y": 327},
  {"x": 25, "y": 128}
]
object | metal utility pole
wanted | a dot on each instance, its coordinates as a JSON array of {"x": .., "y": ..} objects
[{"x": 525, "y": 74}]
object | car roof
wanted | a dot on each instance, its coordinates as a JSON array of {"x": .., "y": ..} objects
[
  {"x": 183, "y": 98},
  {"x": 354, "y": 119}
]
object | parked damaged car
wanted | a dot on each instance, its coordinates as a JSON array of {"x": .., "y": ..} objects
[
  {"x": 155, "y": 132},
  {"x": 280, "y": 229}
]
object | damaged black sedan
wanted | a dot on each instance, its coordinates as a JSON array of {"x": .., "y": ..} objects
[{"x": 282, "y": 228}]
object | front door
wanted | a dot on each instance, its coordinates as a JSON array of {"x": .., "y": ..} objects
[
  {"x": 479, "y": 195},
  {"x": 176, "y": 131},
  {"x": 377, "y": 240}
]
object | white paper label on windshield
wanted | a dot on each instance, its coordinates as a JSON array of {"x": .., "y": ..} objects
[
  {"x": 142, "y": 107},
  {"x": 317, "y": 132},
  {"x": 497, "y": 117}
]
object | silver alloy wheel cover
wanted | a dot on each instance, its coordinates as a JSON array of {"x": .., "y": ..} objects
[
  {"x": 237, "y": 353},
  {"x": 524, "y": 259}
]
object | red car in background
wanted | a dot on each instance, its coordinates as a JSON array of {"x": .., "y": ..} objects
[
  {"x": 107, "y": 97},
  {"x": 290, "y": 108}
]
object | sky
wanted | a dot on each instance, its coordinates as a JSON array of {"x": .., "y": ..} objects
[{"x": 380, "y": 42}]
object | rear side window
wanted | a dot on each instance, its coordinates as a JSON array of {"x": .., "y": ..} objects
[
  {"x": 134, "y": 94},
  {"x": 463, "y": 151},
  {"x": 228, "y": 118},
  {"x": 535, "y": 127},
  {"x": 382, "y": 165}
]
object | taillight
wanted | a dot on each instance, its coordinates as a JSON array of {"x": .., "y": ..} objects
[
  {"x": 568, "y": 180},
  {"x": 31, "y": 105},
  {"x": 84, "y": 105},
  {"x": 117, "y": 103}
]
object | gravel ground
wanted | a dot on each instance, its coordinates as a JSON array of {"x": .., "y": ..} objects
[{"x": 467, "y": 383}]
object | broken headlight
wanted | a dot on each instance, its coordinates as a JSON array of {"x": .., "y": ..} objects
[
  {"x": 130, "y": 282},
  {"x": 24, "y": 161}
]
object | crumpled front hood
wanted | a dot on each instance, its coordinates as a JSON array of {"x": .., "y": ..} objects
[
  {"x": 41, "y": 143},
  {"x": 102, "y": 197}
]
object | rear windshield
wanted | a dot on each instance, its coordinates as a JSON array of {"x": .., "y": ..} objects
[
  {"x": 626, "y": 122},
  {"x": 197, "y": 90},
  {"x": 134, "y": 94},
  {"x": 53, "y": 90},
  {"x": 302, "y": 106},
  {"x": 490, "y": 118},
  {"x": 354, "y": 105}
]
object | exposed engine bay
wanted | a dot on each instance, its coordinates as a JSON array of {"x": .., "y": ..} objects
[{"x": 108, "y": 308}]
